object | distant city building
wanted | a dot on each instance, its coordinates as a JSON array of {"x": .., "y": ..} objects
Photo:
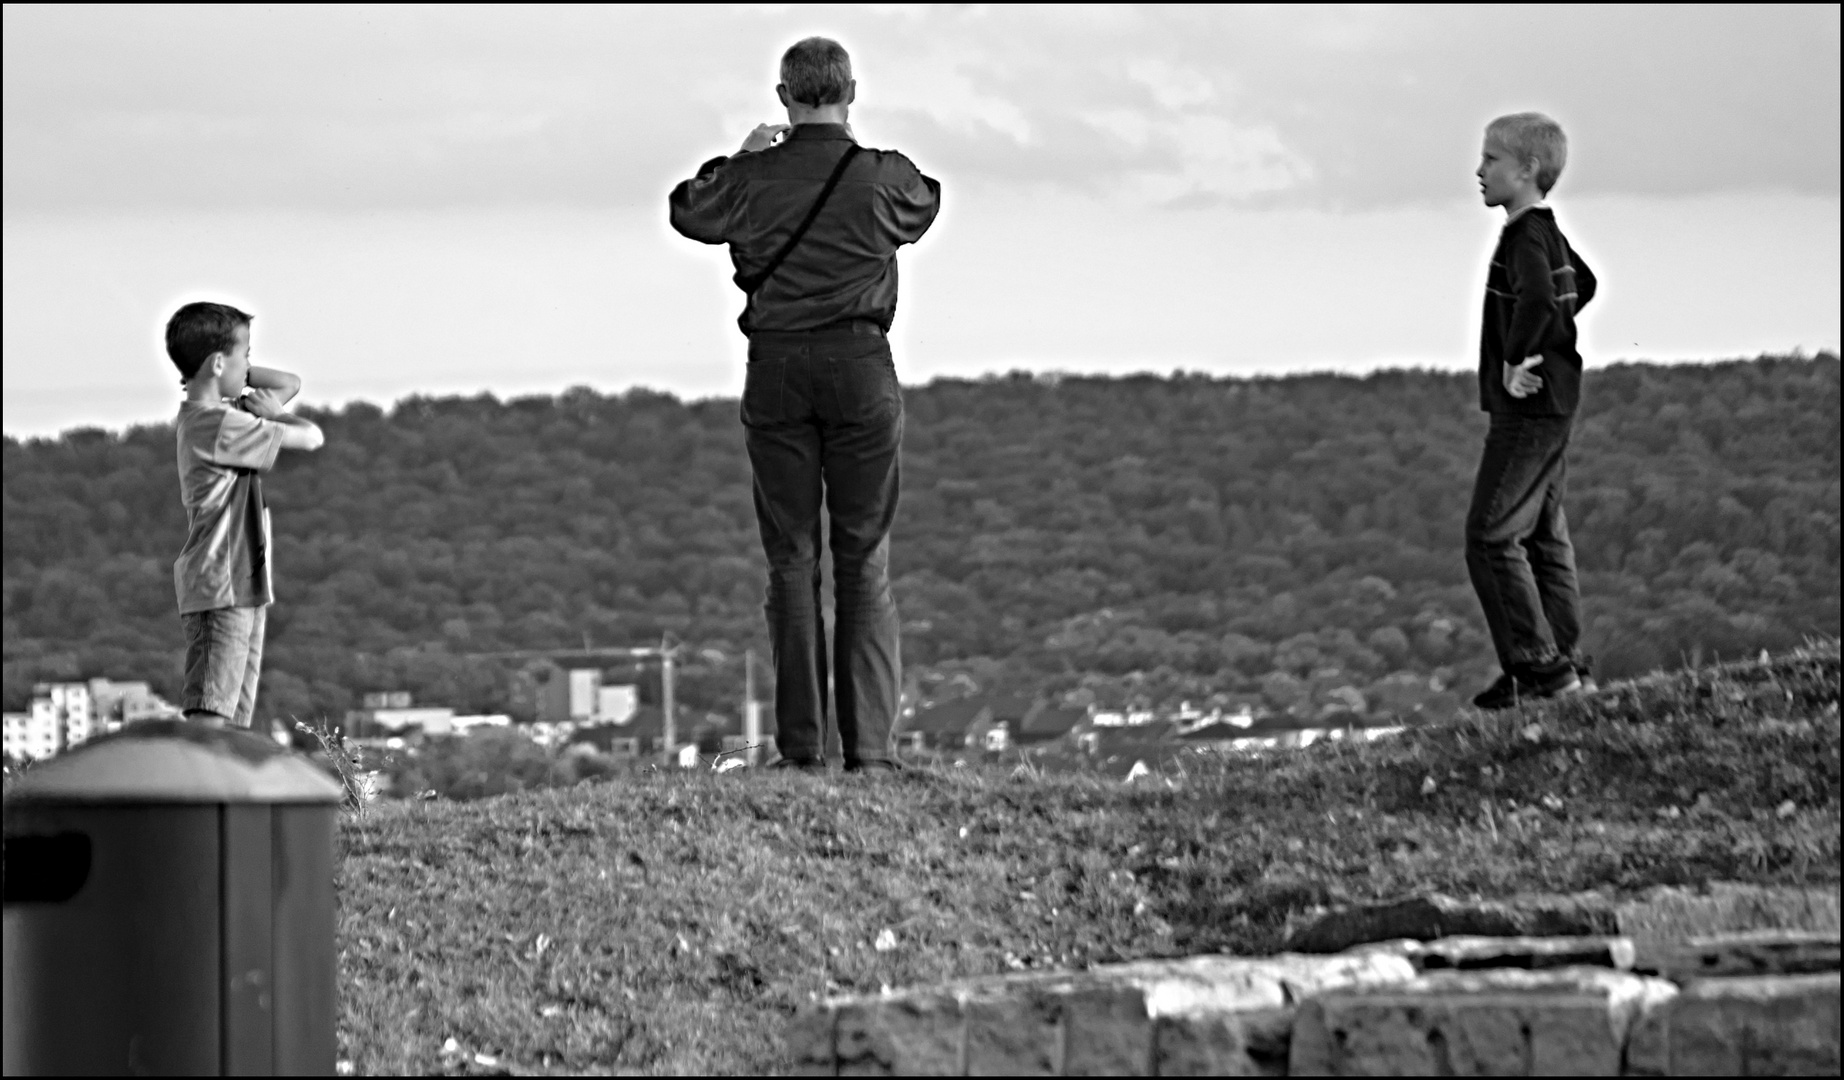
[
  {"x": 1047, "y": 723},
  {"x": 617, "y": 704},
  {"x": 116, "y": 703},
  {"x": 590, "y": 701},
  {"x": 30, "y": 737},
  {"x": 67, "y": 714},
  {"x": 66, "y": 710},
  {"x": 545, "y": 692},
  {"x": 374, "y": 722},
  {"x": 393, "y": 723},
  {"x": 946, "y": 726},
  {"x": 461, "y": 725},
  {"x": 548, "y": 734},
  {"x": 992, "y": 722},
  {"x": 584, "y": 682}
]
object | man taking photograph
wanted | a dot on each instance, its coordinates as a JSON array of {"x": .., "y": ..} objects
[{"x": 813, "y": 222}]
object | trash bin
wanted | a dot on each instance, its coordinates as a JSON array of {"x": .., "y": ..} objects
[{"x": 169, "y": 908}]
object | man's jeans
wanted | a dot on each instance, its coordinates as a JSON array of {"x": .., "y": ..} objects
[
  {"x": 1517, "y": 541},
  {"x": 823, "y": 420}
]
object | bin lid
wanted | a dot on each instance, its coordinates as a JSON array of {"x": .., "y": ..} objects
[{"x": 177, "y": 761}]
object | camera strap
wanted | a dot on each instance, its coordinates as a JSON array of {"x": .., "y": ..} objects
[{"x": 755, "y": 281}]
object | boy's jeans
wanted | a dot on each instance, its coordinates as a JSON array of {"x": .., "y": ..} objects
[
  {"x": 823, "y": 420},
  {"x": 224, "y": 659},
  {"x": 1517, "y": 541}
]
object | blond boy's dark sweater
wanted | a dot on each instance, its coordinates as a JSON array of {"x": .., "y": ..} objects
[{"x": 1533, "y": 292}]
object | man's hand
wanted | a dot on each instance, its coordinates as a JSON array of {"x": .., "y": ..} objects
[
  {"x": 763, "y": 137},
  {"x": 1521, "y": 380}
]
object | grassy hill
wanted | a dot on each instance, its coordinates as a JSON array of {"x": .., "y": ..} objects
[{"x": 671, "y": 923}]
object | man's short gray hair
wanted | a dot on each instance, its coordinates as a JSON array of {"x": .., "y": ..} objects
[{"x": 816, "y": 71}]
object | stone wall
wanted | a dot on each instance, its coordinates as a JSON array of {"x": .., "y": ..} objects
[{"x": 1737, "y": 1004}]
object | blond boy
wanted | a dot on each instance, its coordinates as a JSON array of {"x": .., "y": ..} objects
[{"x": 1518, "y": 552}]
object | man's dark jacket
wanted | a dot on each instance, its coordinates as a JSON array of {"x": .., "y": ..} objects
[
  {"x": 844, "y": 269},
  {"x": 1533, "y": 291}
]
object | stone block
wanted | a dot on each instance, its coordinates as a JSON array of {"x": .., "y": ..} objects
[
  {"x": 1232, "y": 984},
  {"x": 912, "y": 1034},
  {"x": 1427, "y": 918},
  {"x": 1760, "y": 1025},
  {"x": 1570, "y": 1021},
  {"x": 1302, "y": 976},
  {"x": 1106, "y": 1029},
  {"x": 1012, "y": 1029},
  {"x": 1223, "y": 1015},
  {"x": 810, "y": 1045},
  {"x": 1253, "y": 1042},
  {"x": 1220, "y": 1014},
  {"x": 1757, "y": 952}
]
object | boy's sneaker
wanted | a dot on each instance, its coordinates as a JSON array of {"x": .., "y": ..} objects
[{"x": 1530, "y": 682}]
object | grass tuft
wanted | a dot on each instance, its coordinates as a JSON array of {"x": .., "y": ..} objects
[{"x": 343, "y": 760}]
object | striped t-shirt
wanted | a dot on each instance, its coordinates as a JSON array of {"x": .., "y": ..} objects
[{"x": 225, "y": 562}]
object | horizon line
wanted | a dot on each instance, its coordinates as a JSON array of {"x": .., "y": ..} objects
[{"x": 1051, "y": 376}]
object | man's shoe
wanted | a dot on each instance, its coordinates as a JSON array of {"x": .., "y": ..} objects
[
  {"x": 874, "y": 767},
  {"x": 797, "y": 764},
  {"x": 1529, "y": 682}
]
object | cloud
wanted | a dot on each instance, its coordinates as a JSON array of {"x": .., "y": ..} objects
[{"x": 1330, "y": 107}]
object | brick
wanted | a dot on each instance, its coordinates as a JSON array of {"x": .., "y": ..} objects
[
  {"x": 1570, "y": 1021},
  {"x": 1761, "y": 1025},
  {"x": 912, "y": 1034},
  {"x": 810, "y": 1041},
  {"x": 1758, "y": 952}
]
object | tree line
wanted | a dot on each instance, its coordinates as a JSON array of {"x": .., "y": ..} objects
[{"x": 1140, "y": 541}]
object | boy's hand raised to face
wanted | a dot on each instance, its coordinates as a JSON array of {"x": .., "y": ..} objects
[
  {"x": 1521, "y": 380},
  {"x": 264, "y": 403},
  {"x": 763, "y": 137}
]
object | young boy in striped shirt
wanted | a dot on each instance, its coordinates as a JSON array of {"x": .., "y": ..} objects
[
  {"x": 231, "y": 426},
  {"x": 1518, "y": 552}
]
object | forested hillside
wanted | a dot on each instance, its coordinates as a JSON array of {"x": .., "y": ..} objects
[{"x": 1126, "y": 540}]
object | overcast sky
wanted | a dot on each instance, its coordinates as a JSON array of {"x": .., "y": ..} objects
[{"x": 445, "y": 200}]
